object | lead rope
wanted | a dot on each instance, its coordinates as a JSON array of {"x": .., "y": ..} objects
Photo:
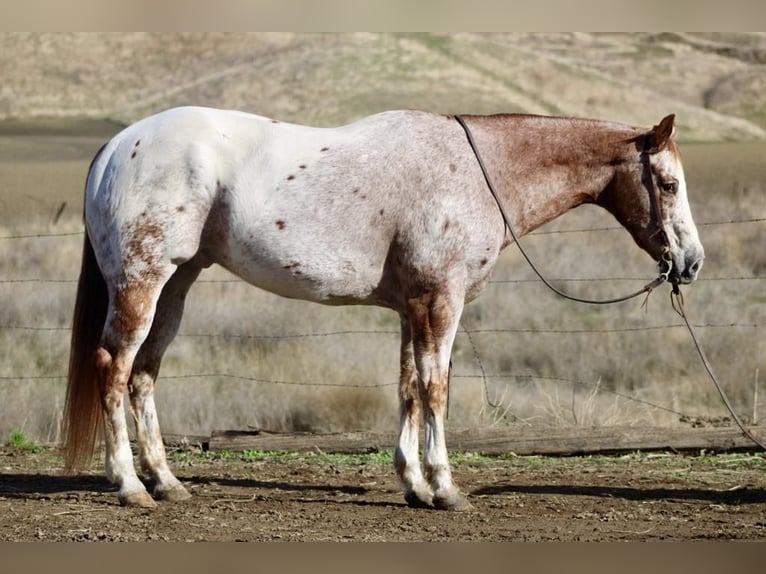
[{"x": 677, "y": 300}]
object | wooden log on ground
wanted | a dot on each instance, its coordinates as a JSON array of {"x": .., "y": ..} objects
[{"x": 507, "y": 440}]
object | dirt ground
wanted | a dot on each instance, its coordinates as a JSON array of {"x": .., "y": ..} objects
[{"x": 633, "y": 497}]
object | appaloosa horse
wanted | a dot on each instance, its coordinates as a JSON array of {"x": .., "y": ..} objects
[{"x": 392, "y": 210}]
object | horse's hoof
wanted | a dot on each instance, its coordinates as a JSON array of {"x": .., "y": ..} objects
[
  {"x": 140, "y": 499},
  {"x": 452, "y": 500},
  {"x": 175, "y": 493},
  {"x": 419, "y": 499}
]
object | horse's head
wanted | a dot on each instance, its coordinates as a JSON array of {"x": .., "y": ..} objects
[{"x": 648, "y": 197}]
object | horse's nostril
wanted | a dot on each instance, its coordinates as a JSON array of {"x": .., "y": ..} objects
[
  {"x": 692, "y": 270},
  {"x": 695, "y": 266}
]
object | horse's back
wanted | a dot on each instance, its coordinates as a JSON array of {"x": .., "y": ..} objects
[{"x": 305, "y": 212}]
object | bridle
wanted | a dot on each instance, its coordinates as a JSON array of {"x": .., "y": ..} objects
[
  {"x": 655, "y": 206},
  {"x": 666, "y": 261},
  {"x": 666, "y": 265}
]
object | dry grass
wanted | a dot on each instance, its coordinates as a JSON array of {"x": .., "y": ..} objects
[
  {"x": 712, "y": 81},
  {"x": 222, "y": 373},
  {"x": 594, "y": 373}
]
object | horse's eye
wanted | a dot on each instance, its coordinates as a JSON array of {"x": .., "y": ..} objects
[{"x": 669, "y": 186}]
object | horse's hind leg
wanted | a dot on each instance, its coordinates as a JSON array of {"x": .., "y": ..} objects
[
  {"x": 128, "y": 322},
  {"x": 167, "y": 318}
]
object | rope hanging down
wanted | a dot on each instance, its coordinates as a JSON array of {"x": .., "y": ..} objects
[{"x": 677, "y": 300}]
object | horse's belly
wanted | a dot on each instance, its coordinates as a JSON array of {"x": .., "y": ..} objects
[{"x": 326, "y": 277}]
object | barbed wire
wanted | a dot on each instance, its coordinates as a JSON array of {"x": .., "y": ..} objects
[
  {"x": 27, "y": 280},
  {"x": 617, "y": 228},
  {"x": 397, "y": 332},
  {"x": 370, "y": 386},
  {"x": 42, "y": 235},
  {"x": 483, "y": 376},
  {"x": 569, "y": 382},
  {"x": 612, "y": 279},
  {"x": 538, "y": 232}
]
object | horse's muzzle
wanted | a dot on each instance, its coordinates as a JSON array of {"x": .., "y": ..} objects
[{"x": 690, "y": 270}]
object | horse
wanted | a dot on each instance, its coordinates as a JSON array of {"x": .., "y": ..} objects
[{"x": 391, "y": 210}]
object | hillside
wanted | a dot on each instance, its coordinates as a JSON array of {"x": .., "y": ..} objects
[{"x": 715, "y": 83}]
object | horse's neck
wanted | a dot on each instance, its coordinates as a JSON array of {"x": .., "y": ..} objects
[{"x": 543, "y": 167}]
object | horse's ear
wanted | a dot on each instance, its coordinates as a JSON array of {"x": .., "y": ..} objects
[{"x": 661, "y": 134}]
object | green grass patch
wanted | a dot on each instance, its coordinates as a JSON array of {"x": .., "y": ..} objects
[
  {"x": 669, "y": 460},
  {"x": 380, "y": 457},
  {"x": 19, "y": 441},
  {"x": 384, "y": 457}
]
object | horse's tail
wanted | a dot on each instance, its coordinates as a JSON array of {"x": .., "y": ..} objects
[{"x": 82, "y": 422}]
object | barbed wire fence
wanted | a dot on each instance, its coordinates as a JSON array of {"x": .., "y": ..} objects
[{"x": 480, "y": 371}]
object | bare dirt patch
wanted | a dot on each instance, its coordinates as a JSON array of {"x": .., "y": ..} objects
[{"x": 635, "y": 497}]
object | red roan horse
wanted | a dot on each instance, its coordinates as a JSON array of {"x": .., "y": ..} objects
[{"x": 392, "y": 210}]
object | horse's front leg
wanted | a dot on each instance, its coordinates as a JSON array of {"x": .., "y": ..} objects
[
  {"x": 417, "y": 493},
  {"x": 434, "y": 317}
]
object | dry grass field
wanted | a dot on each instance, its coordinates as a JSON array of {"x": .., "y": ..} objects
[{"x": 247, "y": 358}]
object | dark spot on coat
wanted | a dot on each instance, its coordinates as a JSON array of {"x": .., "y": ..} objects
[
  {"x": 290, "y": 177},
  {"x": 483, "y": 262},
  {"x": 445, "y": 227},
  {"x": 137, "y": 142},
  {"x": 180, "y": 209},
  {"x": 382, "y": 211},
  {"x": 280, "y": 224},
  {"x": 324, "y": 149},
  {"x": 302, "y": 166},
  {"x": 133, "y": 155},
  {"x": 292, "y": 265},
  {"x": 274, "y": 121},
  {"x": 356, "y": 190},
  {"x": 452, "y": 167}
]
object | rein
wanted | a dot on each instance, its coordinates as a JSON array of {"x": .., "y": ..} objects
[
  {"x": 666, "y": 265},
  {"x": 666, "y": 260},
  {"x": 677, "y": 300}
]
